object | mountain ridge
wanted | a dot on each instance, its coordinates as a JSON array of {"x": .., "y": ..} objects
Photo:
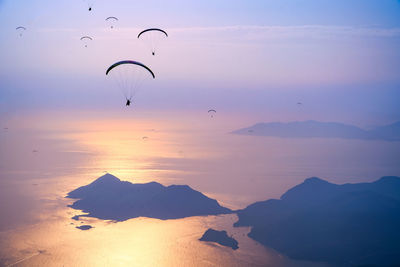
[
  {"x": 109, "y": 198},
  {"x": 321, "y": 221},
  {"x": 316, "y": 129}
]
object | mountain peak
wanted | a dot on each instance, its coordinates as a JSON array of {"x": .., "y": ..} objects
[
  {"x": 309, "y": 189},
  {"x": 315, "y": 180},
  {"x": 106, "y": 178},
  {"x": 388, "y": 180}
]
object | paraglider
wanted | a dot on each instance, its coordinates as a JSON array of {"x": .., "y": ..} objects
[
  {"x": 89, "y": 4},
  {"x": 86, "y": 40},
  {"x": 152, "y": 37},
  {"x": 20, "y": 30},
  {"x": 129, "y": 76},
  {"x": 212, "y": 112},
  {"x": 111, "y": 21}
]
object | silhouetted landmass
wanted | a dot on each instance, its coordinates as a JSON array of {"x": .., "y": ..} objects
[
  {"x": 351, "y": 224},
  {"x": 388, "y": 132},
  {"x": 108, "y": 198},
  {"x": 220, "y": 237},
  {"x": 310, "y": 129},
  {"x": 84, "y": 227}
]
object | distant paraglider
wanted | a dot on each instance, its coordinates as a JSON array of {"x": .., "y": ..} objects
[
  {"x": 111, "y": 21},
  {"x": 86, "y": 40},
  {"x": 212, "y": 112},
  {"x": 129, "y": 75},
  {"x": 152, "y": 37},
  {"x": 89, "y": 4},
  {"x": 20, "y": 30}
]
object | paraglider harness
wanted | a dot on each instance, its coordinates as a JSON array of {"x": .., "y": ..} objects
[{"x": 128, "y": 101}]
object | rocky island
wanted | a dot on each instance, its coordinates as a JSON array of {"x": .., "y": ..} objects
[
  {"x": 220, "y": 237},
  {"x": 109, "y": 198}
]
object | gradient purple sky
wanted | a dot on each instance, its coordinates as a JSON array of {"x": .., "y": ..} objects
[{"x": 340, "y": 58}]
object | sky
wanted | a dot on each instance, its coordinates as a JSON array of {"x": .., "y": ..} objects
[{"x": 341, "y": 59}]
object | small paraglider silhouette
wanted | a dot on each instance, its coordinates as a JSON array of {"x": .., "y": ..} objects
[
  {"x": 152, "y": 37},
  {"x": 20, "y": 30},
  {"x": 86, "y": 40},
  {"x": 90, "y": 8},
  {"x": 145, "y": 138},
  {"x": 112, "y": 21},
  {"x": 212, "y": 112},
  {"x": 299, "y": 103}
]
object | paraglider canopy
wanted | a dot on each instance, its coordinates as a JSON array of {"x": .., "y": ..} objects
[
  {"x": 130, "y": 62},
  {"x": 212, "y": 112},
  {"x": 152, "y": 29},
  {"x": 86, "y": 39},
  {"x": 111, "y": 20},
  {"x": 20, "y": 29}
]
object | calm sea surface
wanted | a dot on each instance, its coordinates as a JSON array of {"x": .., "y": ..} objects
[{"x": 44, "y": 156}]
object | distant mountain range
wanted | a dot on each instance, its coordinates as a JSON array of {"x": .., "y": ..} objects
[
  {"x": 109, "y": 198},
  {"x": 352, "y": 224},
  {"x": 310, "y": 129}
]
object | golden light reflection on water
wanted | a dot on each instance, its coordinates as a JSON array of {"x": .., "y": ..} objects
[
  {"x": 126, "y": 148},
  {"x": 136, "y": 242},
  {"x": 179, "y": 149}
]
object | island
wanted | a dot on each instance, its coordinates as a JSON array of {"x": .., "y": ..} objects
[
  {"x": 220, "y": 237},
  {"x": 84, "y": 227},
  {"x": 316, "y": 129},
  {"x": 109, "y": 198},
  {"x": 349, "y": 224}
]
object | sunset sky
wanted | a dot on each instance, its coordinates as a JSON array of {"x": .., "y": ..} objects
[
  {"x": 266, "y": 67},
  {"x": 252, "y": 57}
]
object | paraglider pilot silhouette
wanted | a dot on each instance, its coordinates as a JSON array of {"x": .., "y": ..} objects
[{"x": 128, "y": 102}]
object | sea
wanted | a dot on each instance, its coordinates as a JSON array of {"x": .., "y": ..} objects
[{"x": 44, "y": 155}]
